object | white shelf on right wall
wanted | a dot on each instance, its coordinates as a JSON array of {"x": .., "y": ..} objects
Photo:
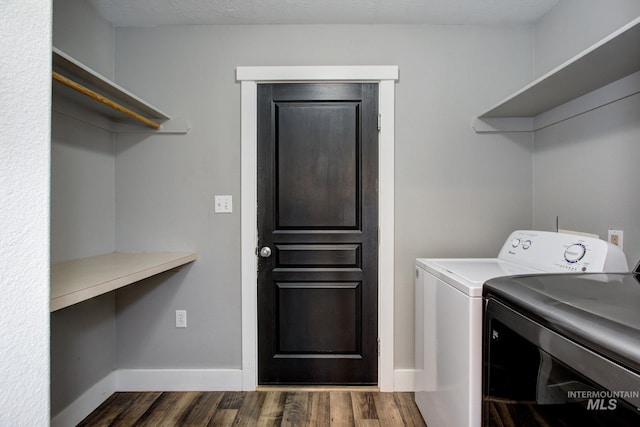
[{"x": 614, "y": 61}]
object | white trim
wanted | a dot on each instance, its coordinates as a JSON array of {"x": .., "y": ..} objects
[
  {"x": 87, "y": 402},
  {"x": 179, "y": 379},
  {"x": 386, "y": 246},
  {"x": 249, "y": 233},
  {"x": 404, "y": 380},
  {"x": 147, "y": 380},
  {"x": 326, "y": 73},
  {"x": 249, "y": 77},
  {"x": 173, "y": 380}
]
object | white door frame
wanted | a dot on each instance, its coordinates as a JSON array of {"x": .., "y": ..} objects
[{"x": 249, "y": 77}]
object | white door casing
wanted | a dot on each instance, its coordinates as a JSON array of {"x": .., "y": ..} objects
[{"x": 249, "y": 78}]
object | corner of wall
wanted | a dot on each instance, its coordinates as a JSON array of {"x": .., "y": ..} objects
[{"x": 25, "y": 69}]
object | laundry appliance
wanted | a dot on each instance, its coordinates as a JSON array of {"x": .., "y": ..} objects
[
  {"x": 449, "y": 319},
  {"x": 562, "y": 350}
]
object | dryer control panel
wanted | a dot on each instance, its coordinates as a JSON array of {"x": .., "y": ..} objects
[{"x": 561, "y": 252}]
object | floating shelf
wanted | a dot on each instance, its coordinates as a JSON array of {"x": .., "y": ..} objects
[
  {"x": 609, "y": 60},
  {"x": 79, "y": 280},
  {"x": 81, "y": 86}
]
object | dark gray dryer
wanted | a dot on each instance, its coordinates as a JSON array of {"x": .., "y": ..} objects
[{"x": 562, "y": 350}]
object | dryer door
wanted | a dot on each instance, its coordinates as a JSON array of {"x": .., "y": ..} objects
[{"x": 532, "y": 373}]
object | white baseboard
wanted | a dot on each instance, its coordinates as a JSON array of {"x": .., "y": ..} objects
[
  {"x": 173, "y": 380},
  {"x": 87, "y": 402},
  {"x": 179, "y": 379},
  {"x": 147, "y": 380},
  {"x": 404, "y": 380},
  {"x": 213, "y": 380}
]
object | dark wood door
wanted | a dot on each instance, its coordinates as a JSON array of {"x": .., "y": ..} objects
[{"x": 318, "y": 215}]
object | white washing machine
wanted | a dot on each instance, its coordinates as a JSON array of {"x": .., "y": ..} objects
[{"x": 449, "y": 314}]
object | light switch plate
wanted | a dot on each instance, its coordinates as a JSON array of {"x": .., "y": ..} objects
[
  {"x": 181, "y": 318},
  {"x": 224, "y": 204}
]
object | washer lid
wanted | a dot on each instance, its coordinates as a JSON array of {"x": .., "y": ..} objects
[
  {"x": 598, "y": 310},
  {"x": 469, "y": 274}
]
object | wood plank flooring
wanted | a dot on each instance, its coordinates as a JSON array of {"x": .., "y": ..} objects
[{"x": 259, "y": 408}]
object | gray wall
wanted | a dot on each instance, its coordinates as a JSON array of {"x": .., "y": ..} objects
[
  {"x": 574, "y": 25},
  {"x": 81, "y": 32},
  {"x": 83, "y": 183},
  {"x": 83, "y": 162},
  {"x": 82, "y": 211},
  {"x": 585, "y": 169},
  {"x": 457, "y": 193}
]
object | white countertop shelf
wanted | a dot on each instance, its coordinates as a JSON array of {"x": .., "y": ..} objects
[
  {"x": 109, "y": 99},
  {"x": 79, "y": 280},
  {"x": 614, "y": 57}
]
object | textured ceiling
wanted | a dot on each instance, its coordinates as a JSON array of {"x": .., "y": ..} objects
[{"x": 142, "y": 13}]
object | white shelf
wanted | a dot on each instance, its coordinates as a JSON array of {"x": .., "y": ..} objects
[
  {"x": 609, "y": 60},
  {"x": 79, "y": 280},
  {"x": 79, "y": 73}
]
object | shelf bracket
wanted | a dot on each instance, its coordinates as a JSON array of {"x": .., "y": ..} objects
[
  {"x": 169, "y": 127},
  {"x": 502, "y": 124}
]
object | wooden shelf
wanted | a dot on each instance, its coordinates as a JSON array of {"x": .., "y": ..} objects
[
  {"x": 609, "y": 60},
  {"x": 110, "y": 100},
  {"x": 79, "y": 280}
]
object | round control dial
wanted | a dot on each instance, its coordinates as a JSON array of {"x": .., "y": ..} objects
[
  {"x": 575, "y": 253},
  {"x": 515, "y": 242}
]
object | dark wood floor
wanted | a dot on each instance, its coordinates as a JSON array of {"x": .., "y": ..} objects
[{"x": 259, "y": 408}]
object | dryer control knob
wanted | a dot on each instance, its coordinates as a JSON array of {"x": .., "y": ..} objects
[
  {"x": 515, "y": 242},
  {"x": 575, "y": 253}
]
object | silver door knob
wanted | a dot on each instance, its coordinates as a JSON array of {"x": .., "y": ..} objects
[{"x": 265, "y": 252}]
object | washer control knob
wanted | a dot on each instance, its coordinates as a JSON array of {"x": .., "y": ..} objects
[
  {"x": 515, "y": 242},
  {"x": 575, "y": 253},
  {"x": 526, "y": 244}
]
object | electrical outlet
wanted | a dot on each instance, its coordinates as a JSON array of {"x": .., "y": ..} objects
[
  {"x": 223, "y": 204},
  {"x": 181, "y": 318},
  {"x": 615, "y": 237}
]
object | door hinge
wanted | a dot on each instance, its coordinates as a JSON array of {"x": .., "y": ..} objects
[
  {"x": 378, "y": 346},
  {"x": 379, "y": 122}
]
